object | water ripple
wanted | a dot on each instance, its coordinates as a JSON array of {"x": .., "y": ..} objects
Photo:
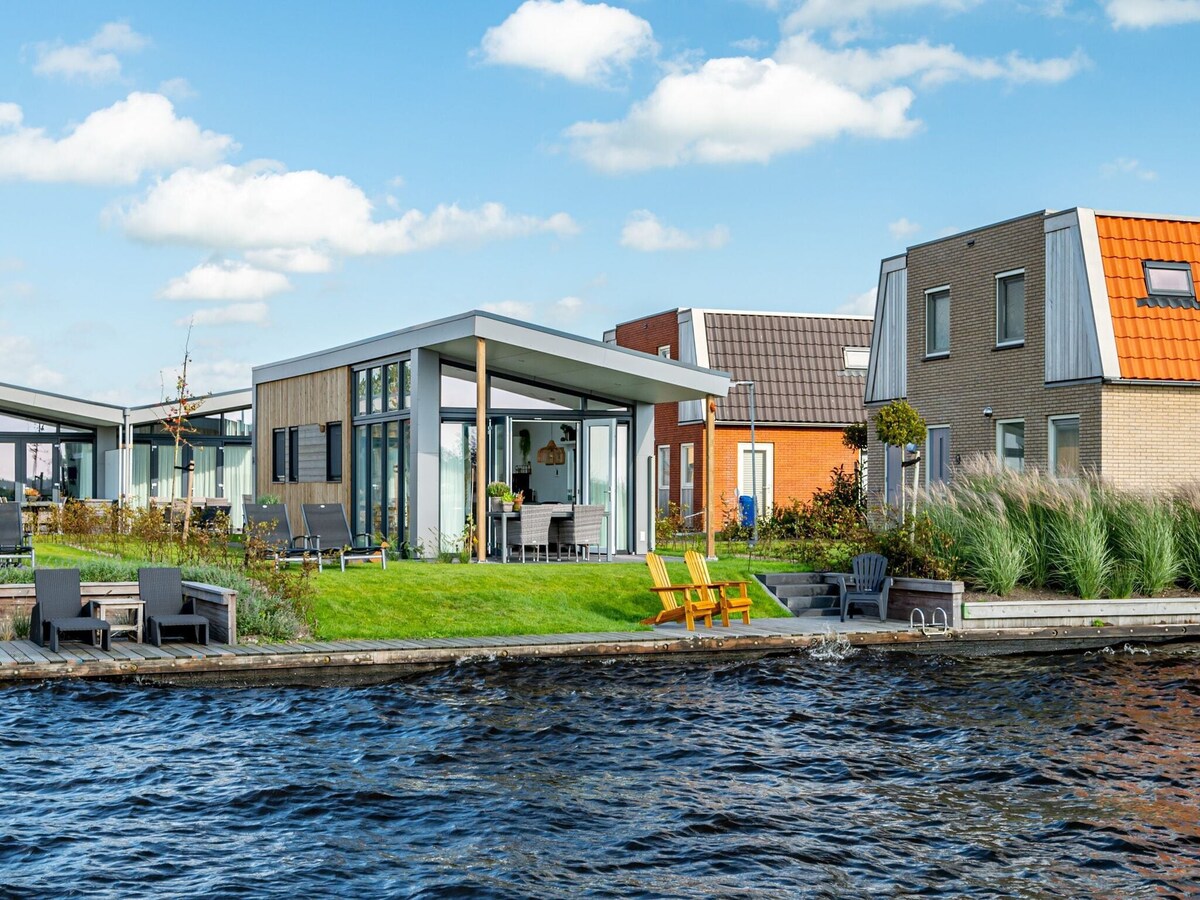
[{"x": 836, "y": 776}]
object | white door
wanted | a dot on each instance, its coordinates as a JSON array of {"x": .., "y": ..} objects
[{"x": 758, "y": 473}]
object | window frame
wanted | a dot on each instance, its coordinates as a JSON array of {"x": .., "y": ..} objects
[
  {"x": 1000, "y": 423},
  {"x": 1001, "y": 279},
  {"x": 767, "y": 488},
  {"x": 929, "y": 295},
  {"x": 333, "y": 451},
  {"x": 1148, "y": 264},
  {"x": 684, "y": 481},
  {"x": 293, "y": 454},
  {"x": 667, "y": 349},
  {"x": 279, "y": 455},
  {"x": 1052, "y": 443},
  {"x": 663, "y": 470}
]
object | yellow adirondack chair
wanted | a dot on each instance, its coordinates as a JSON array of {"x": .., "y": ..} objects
[
  {"x": 678, "y": 600},
  {"x": 725, "y": 600}
]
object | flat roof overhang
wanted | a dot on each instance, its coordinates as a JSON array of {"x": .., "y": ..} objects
[
  {"x": 526, "y": 351},
  {"x": 58, "y": 407},
  {"x": 213, "y": 404}
]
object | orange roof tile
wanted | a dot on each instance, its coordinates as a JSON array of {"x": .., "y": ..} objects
[{"x": 1157, "y": 343}]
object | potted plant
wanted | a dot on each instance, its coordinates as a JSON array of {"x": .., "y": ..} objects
[
  {"x": 497, "y": 491},
  {"x": 507, "y": 501},
  {"x": 518, "y": 499}
]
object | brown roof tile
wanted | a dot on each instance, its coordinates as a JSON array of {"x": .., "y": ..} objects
[{"x": 796, "y": 363}]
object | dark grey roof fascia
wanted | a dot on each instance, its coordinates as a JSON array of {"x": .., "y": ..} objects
[
  {"x": 475, "y": 323},
  {"x": 1039, "y": 214}
]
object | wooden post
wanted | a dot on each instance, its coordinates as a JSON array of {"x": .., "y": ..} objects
[
  {"x": 710, "y": 505},
  {"x": 480, "y": 449}
]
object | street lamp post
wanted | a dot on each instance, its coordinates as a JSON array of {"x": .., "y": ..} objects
[{"x": 753, "y": 460}]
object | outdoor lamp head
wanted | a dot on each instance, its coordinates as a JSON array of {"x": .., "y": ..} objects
[
  {"x": 910, "y": 448},
  {"x": 987, "y": 412}
]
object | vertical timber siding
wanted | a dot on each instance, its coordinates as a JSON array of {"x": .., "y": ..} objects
[{"x": 307, "y": 401}]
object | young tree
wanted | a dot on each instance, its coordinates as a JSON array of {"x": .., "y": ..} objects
[
  {"x": 898, "y": 425},
  {"x": 176, "y": 420}
]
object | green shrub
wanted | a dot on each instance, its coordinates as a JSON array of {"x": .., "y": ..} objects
[
  {"x": 1187, "y": 535},
  {"x": 920, "y": 549},
  {"x": 1142, "y": 539},
  {"x": 1122, "y": 582}
]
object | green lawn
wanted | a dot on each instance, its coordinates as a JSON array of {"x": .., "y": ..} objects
[{"x": 426, "y": 600}]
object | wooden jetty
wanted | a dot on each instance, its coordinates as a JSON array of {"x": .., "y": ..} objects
[{"x": 381, "y": 659}]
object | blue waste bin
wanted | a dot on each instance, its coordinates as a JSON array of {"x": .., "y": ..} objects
[{"x": 746, "y": 511}]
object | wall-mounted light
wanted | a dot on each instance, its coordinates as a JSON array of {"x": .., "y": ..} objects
[{"x": 987, "y": 412}]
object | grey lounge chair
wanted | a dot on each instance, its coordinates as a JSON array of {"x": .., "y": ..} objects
[
  {"x": 270, "y": 522},
  {"x": 15, "y": 542},
  {"x": 59, "y": 610},
  {"x": 870, "y": 584},
  {"x": 161, "y": 590},
  {"x": 580, "y": 531},
  {"x": 329, "y": 530},
  {"x": 531, "y": 528}
]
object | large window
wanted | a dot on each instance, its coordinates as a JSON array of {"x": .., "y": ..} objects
[
  {"x": 1064, "y": 446},
  {"x": 381, "y": 479},
  {"x": 664, "y": 478},
  {"x": 1010, "y": 309},
  {"x": 687, "y": 479},
  {"x": 279, "y": 455},
  {"x": 382, "y": 388},
  {"x": 937, "y": 322},
  {"x": 458, "y": 483},
  {"x": 1010, "y": 444},
  {"x": 333, "y": 451},
  {"x": 293, "y": 454}
]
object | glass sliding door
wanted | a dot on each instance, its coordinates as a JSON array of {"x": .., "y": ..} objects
[
  {"x": 39, "y": 481},
  {"x": 77, "y": 468},
  {"x": 239, "y": 481},
  {"x": 380, "y": 478},
  {"x": 362, "y": 475},
  {"x": 8, "y": 471},
  {"x": 205, "y": 475},
  {"x": 600, "y": 448},
  {"x": 457, "y": 483}
]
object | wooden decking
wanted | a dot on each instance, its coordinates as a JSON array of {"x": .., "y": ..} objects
[{"x": 24, "y": 660}]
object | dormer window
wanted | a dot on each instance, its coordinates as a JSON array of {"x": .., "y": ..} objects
[{"x": 1169, "y": 284}]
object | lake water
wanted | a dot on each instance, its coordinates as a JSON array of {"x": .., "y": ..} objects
[{"x": 1062, "y": 776}]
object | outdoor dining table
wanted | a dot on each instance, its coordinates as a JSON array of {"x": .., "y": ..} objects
[{"x": 499, "y": 516}]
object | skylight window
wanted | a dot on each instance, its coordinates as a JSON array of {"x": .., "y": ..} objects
[
  {"x": 856, "y": 358},
  {"x": 1169, "y": 284}
]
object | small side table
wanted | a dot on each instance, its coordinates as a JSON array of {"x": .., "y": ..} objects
[{"x": 110, "y": 609}]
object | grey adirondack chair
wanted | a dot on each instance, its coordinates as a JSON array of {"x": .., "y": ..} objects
[
  {"x": 59, "y": 610},
  {"x": 871, "y": 584},
  {"x": 161, "y": 590}
]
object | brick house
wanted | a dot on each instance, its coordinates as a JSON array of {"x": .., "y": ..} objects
[
  {"x": 1065, "y": 341},
  {"x": 808, "y": 372}
]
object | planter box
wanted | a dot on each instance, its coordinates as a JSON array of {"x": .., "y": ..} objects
[
  {"x": 217, "y": 604},
  {"x": 1071, "y": 612}
]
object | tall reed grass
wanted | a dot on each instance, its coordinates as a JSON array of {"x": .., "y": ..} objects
[{"x": 1083, "y": 537}]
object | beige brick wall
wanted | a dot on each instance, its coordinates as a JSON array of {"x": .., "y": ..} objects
[
  {"x": 1151, "y": 435},
  {"x": 954, "y": 390}
]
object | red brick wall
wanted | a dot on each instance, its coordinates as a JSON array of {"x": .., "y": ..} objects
[{"x": 804, "y": 457}]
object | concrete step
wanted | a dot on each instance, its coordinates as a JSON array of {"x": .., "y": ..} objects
[
  {"x": 797, "y": 604},
  {"x": 788, "y": 591},
  {"x": 774, "y": 579}
]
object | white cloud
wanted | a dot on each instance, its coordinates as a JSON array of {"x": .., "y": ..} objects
[
  {"x": 862, "y": 70},
  {"x": 859, "y": 305},
  {"x": 583, "y": 42},
  {"x": 750, "y": 44},
  {"x": 834, "y": 13},
  {"x": 225, "y": 280},
  {"x": 259, "y": 207},
  {"x": 11, "y": 264},
  {"x": 93, "y": 60},
  {"x": 21, "y": 361},
  {"x": 1126, "y": 166},
  {"x": 234, "y": 314},
  {"x": 738, "y": 110},
  {"x": 115, "y": 145},
  {"x": 902, "y": 228},
  {"x": 209, "y": 376},
  {"x": 569, "y": 305},
  {"x": 1149, "y": 13},
  {"x": 177, "y": 89},
  {"x": 514, "y": 309},
  {"x": 644, "y": 232},
  {"x": 297, "y": 259}
]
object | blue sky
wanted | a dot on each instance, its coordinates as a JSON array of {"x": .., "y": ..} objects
[{"x": 296, "y": 176}]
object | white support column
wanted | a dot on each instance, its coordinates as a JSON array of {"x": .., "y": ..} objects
[
  {"x": 643, "y": 477},
  {"x": 425, "y": 448}
]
